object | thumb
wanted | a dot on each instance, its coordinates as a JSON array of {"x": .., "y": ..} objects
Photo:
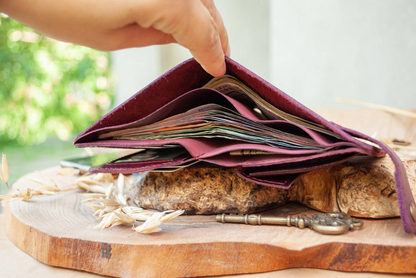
[
  {"x": 191, "y": 24},
  {"x": 207, "y": 49}
]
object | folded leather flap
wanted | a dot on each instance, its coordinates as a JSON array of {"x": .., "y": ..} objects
[
  {"x": 224, "y": 159},
  {"x": 283, "y": 175},
  {"x": 282, "y": 160}
]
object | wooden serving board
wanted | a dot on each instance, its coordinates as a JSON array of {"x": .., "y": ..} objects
[{"x": 58, "y": 231}]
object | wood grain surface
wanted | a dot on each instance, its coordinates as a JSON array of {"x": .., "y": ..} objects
[
  {"x": 16, "y": 263},
  {"x": 57, "y": 230}
]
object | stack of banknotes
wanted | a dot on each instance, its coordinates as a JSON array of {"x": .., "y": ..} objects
[{"x": 215, "y": 121}]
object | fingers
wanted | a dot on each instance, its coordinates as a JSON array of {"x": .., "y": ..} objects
[
  {"x": 192, "y": 25},
  {"x": 135, "y": 36},
  {"x": 209, "y": 4},
  {"x": 199, "y": 32},
  {"x": 204, "y": 42}
]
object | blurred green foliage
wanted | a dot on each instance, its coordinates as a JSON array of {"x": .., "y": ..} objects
[{"x": 48, "y": 88}]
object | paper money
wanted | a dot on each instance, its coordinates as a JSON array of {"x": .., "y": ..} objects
[
  {"x": 234, "y": 88},
  {"x": 214, "y": 121}
]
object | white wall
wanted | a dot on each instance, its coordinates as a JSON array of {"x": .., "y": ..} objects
[
  {"x": 133, "y": 69},
  {"x": 247, "y": 23},
  {"x": 313, "y": 50},
  {"x": 359, "y": 49}
]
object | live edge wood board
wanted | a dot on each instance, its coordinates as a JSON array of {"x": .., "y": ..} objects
[{"x": 58, "y": 231}]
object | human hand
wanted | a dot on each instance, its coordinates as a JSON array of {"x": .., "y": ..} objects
[{"x": 111, "y": 25}]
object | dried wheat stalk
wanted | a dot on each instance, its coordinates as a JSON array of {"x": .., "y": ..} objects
[
  {"x": 27, "y": 194},
  {"x": 114, "y": 205},
  {"x": 152, "y": 224},
  {"x": 391, "y": 144},
  {"x": 4, "y": 170},
  {"x": 68, "y": 172},
  {"x": 48, "y": 188}
]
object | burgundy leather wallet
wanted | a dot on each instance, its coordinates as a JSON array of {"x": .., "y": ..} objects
[{"x": 181, "y": 89}]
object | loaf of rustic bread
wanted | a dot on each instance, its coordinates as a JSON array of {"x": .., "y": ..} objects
[
  {"x": 361, "y": 187},
  {"x": 206, "y": 191}
]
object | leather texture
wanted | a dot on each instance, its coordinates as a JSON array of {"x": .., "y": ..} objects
[{"x": 180, "y": 89}]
